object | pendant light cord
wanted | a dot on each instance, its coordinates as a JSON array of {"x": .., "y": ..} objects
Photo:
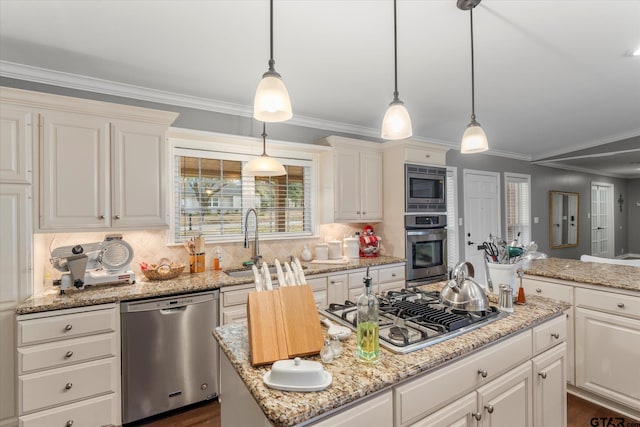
[
  {"x": 395, "y": 53},
  {"x": 473, "y": 86},
  {"x": 264, "y": 139},
  {"x": 271, "y": 61}
]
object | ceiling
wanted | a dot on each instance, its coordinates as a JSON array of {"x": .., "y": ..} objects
[{"x": 552, "y": 77}]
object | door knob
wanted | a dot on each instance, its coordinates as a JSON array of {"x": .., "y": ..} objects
[
  {"x": 483, "y": 373},
  {"x": 116, "y": 217},
  {"x": 543, "y": 375},
  {"x": 477, "y": 416},
  {"x": 489, "y": 408}
]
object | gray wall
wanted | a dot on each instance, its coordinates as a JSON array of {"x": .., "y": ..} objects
[
  {"x": 543, "y": 180},
  {"x": 632, "y": 203}
]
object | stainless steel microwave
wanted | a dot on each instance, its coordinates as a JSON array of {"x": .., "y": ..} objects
[{"x": 425, "y": 188}]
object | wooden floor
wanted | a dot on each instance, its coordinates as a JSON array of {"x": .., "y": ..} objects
[{"x": 579, "y": 414}]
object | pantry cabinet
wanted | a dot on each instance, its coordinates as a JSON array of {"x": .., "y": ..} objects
[
  {"x": 351, "y": 181},
  {"x": 69, "y": 367}
]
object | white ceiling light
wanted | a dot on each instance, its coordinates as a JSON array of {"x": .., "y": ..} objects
[
  {"x": 264, "y": 165},
  {"x": 272, "y": 103},
  {"x": 474, "y": 140},
  {"x": 396, "y": 123},
  {"x": 636, "y": 52}
]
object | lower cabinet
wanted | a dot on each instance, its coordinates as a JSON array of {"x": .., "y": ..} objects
[
  {"x": 549, "y": 388},
  {"x": 507, "y": 401},
  {"x": 69, "y": 367},
  {"x": 376, "y": 411}
]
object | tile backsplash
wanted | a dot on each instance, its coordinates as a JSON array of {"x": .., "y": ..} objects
[{"x": 151, "y": 246}]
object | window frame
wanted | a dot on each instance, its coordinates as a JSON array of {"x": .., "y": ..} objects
[
  {"x": 518, "y": 177},
  {"x": 238, "y": 148}
]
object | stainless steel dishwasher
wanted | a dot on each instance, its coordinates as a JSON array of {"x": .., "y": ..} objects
[{"x": 169, "y": 355}]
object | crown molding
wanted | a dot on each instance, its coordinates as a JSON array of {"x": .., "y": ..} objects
[{"x": 594, "y": 143}]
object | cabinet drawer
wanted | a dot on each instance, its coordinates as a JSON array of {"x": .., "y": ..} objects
[
  {"x": 548, "y": 290},
  {"x": 418, "y": 155},
  {"x": 392, "y": 274},
  {"x": 100, "y": 411},
  {"x": 317, "y": 283},
  {"x": 65, "y": 326},
  {"x": 608, "y": 301},
  {"x": 67, "y": 352},
  {"x": 236, "y": 297},
  {"x": 63, "y": 385},
  {"x": 549, "y": 334},
  {"x": 419, "y": 397},
  {"x": 356, "y": 279},
  {"x": 237, "y": 314},
  {"x": 391, "y": 286}
]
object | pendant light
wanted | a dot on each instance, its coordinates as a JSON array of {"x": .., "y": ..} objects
[
  {"x": 272, "y": 103},
  {"x": 264, "y": 165},
  {"x": 474, "y": 140},
  {"x": 396, "y": 123}
]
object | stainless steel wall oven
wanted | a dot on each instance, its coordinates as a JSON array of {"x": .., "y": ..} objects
[{"x": 426, "y": 248}]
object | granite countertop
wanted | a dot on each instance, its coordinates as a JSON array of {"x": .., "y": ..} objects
[
  {"x": 353, "y": 380},
  {"x": 185, "y": 283},
  {"x": 592, "y": 273}
]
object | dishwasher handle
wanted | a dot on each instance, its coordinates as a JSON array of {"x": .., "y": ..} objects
[{"x": 170, "y": 304}]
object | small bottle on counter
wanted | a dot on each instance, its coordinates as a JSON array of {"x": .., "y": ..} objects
[
  {"x": 217, "y": 260},
  {"x": 367, "y": 319}
]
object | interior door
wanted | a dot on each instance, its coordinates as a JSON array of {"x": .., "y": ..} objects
[
  {"x": 481, "y": 215},
  {"x": 602, "y": 231}
]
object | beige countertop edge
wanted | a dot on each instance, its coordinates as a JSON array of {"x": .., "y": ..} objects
[
  {"x": 185, "y": 283},
  {"x": 353, "y": 380}
]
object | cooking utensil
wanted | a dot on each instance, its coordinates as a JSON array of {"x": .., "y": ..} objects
[
  {"x": 257, "y": 279},
  {"x": 266, "y": 277},
  {"x": 336, "y": 331},
  {"x": 303, "y": 279},
  {"x": 462, "y": 293},
  {"x": 289, "y": 276},
  {"x": 280, "y": 273}
]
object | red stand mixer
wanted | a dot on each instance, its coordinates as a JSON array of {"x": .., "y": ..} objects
[{"x": 368, "y": 242}]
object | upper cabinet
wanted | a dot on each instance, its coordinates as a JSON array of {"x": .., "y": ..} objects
[
  {"x": 15, "y": 144},
  {"x": 101, "y": 166},
  {"x": 351, "y": 181}
]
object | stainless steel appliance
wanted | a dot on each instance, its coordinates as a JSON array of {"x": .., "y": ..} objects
[
  {"x": 94, "y": 263},
  {"x": 412, "y": 319},
  {"x": 425, "y": 248},
  {"x": 169, "y": 355},
  {"x": 425, "y": 189}
]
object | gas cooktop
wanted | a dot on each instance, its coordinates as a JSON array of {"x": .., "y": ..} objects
[{"x": 412, "y": 319}]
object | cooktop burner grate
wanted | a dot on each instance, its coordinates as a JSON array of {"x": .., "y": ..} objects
[{"x": 451, "y": 321}]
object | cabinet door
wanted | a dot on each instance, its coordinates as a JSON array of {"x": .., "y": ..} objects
[
  {"x": 75, "y": 182},
  {"x": 15, "y": 144},
  {"x": 371, "y": 185},
  {"x": 457, "y": 414},
  {"x": 376, "y": 411},
  {"x": 549, "y": 388},
  {"x": 138, "y": 165},
  {"x": 507, "y": 400},
  {"x": 15, "y": 282},
  {"x": 347, "y": 185},
  {"x": 607, "y": 354},
  {"x": 337, "y": 288}
]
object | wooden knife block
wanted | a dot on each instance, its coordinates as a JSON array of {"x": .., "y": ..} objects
[{"x": 283, "y": 323}]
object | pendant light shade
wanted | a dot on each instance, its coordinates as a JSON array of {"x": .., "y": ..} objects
[
  {"x": 474, "y": 140},
  {"x": 396, "y": 123},
  {"x": 272, "y": 103},
  {"x": 264, "y": 165}
]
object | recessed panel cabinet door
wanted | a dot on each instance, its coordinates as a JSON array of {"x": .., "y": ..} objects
[
  {"x": 347, "y": 182},
  {"x": 507, "y": 400},
  {"x": 138, "y": 164},
  {"x": 371, "y": 185},
  {"x": 15, "y": 144},
  {"x": 74, "y": 189}
]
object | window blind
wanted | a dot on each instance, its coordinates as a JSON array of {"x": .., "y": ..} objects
[
  {"x": 518, "y": 200},
  {"x": 452, "y": 218}
]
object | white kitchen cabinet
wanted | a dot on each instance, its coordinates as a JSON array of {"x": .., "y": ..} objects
[
  {"x": 507, "y": 400},
  {"x": 69, "y": 367},
  {"x": 544, "y": 287},
  {"x": 15, "y": 144},
  {"x": 375, "y": 411},
  {"x": 550, "y": 388},
  {"x": 337, "y": 288},
  {"x": 351, "y": 181},
  {"x": 460, "y": 413},
  {"x": 608, "y": 345},
  {"x": 99, "y": 173}
]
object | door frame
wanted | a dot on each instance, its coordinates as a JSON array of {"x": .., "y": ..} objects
[{"x": 610, "y": 217}]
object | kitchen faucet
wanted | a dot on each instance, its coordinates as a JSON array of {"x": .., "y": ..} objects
[{"x": 256, "y": 258}]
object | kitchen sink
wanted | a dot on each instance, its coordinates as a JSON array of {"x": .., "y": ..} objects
[{"x": 248, "y": 272}]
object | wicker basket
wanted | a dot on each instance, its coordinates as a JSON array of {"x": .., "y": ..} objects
[{"x": 164, "y": 270}]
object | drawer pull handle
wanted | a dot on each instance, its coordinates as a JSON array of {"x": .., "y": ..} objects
[
  {"x": 489, "y": 408},
  {"x": 393, "y": 274},
  {"x": 542, "y": 375},
  {"x": 477, "y": 416},
  {"x": 100, "y": 217},
  {"x": 69, "y": 423},
  {"x": 538, "y": 290},
  {"x": 555, "y": 335},
  {"x": 333, "y": 282},
  {"x": 620, "y": 305},
  {"x": 483, "y": 373},
  {"x": 68, "y": 354},
  {"x": 68, "y": 386},
  {"x": 68, "y": 327},
  {"x": 116, "y": 217}
]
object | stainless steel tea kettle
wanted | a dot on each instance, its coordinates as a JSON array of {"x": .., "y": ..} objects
[{"x": 462, "y": 293}]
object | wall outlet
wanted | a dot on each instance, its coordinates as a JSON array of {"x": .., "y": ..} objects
[
  {"x": 536, "y": 219},
  {"x": 460, "y": 222}
]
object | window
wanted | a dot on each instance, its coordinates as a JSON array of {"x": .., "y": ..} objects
[
  {"x": 518, "y": 201},
  {"x": 211, "y": 197}
]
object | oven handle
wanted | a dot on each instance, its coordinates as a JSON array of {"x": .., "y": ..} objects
[{"x": 425, "y": 232}]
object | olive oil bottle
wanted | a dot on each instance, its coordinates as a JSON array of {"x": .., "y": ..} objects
[{"x": 367, "y": 320}]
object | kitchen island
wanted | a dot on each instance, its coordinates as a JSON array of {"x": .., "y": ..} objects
[{"x": 507, "y": 343}]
